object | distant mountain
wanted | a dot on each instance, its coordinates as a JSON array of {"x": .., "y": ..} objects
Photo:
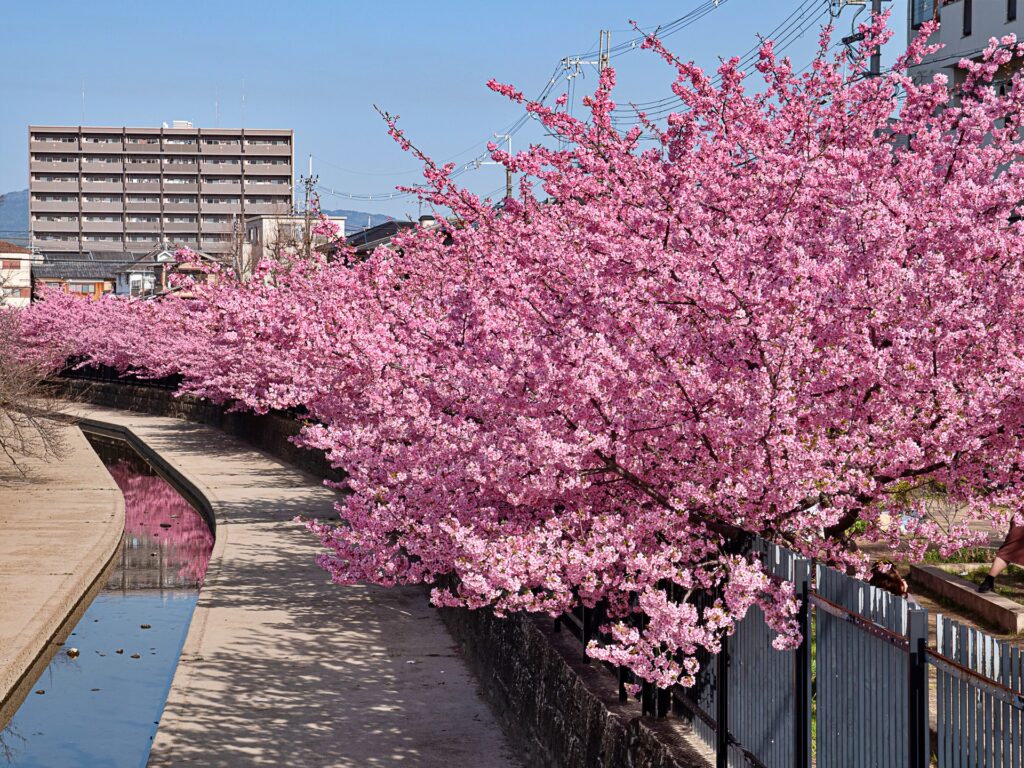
[
  {"x": 14, "y": 217},
  {"x": 359, "y": 220}
]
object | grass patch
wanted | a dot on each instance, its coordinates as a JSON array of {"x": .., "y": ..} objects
[{"x": 968, "y": 555}]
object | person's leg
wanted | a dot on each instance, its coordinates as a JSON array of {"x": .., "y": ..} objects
[{"x": 989, "y": 582}]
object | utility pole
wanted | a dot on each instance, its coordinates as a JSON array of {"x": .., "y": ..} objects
[
  {"x": 604, "y": 48},
  {"x": 876, "y": 57},
  {"x": 508, "y": 171},
  {"x": 309, "y": 182}
]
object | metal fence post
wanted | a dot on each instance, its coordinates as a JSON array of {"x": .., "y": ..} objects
[
  {"x": 918, "y": 741},
  {"x": 802, "y": 667},
  {"x": 722, "y": 710}
]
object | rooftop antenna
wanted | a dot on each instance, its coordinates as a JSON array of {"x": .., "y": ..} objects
[
  {"x": 216, "y": 102},
  {"x": 83, "y": 103},
  {"x": 243, "y": 102}
]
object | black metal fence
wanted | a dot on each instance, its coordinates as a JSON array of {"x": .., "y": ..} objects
[
  {"x": 105, "y": 373},
  {"x": 855, "y": 693}
]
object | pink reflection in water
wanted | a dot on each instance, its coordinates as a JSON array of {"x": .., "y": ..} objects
[{"x": 160, "y": 525}]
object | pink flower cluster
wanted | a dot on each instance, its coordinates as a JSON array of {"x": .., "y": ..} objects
[{"x": 799, "y": 308}]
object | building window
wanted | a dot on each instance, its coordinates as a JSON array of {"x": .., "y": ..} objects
[
  {"x": 968, "y": 17},
  {"x": 1011, "y": 10},
  {"x": 83, "y": 288}
]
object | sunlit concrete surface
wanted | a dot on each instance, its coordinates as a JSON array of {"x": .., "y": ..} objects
[
  {"x": 282, "y": 668},
  {"x": 61, "y": 521}
]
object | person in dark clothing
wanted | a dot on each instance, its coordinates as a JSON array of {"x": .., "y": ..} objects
[{"x": 1012, "y": 551}]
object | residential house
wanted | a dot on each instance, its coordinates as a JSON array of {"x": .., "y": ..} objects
[
  {"x": 151, "y": 273},
  {"x": 271, "y": 235},
  {"x": 89, "y": 273},
  {"x": 965, "y": 29},
  {"x": 15, "y": 275}
]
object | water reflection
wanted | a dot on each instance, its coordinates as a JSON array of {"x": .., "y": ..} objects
[
  {"x": 102, "y": 705},
  {"x": 167, "y": 543}
]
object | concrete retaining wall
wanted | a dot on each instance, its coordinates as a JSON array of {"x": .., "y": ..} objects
[{"x": 269, "y": 432}]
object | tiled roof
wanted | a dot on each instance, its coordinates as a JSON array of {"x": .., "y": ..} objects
[
  {"x": 7, "y": 247},
  {"x": 87, "y": 265},
  {"x": 368, "y": 239}
]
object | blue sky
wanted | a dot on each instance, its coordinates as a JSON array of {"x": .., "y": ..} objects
[{"x": 319, "y": 66}]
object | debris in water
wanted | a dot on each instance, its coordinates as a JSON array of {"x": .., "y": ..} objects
[
  {"x": 136, "y": 656},
  {"x": 119, "y": 650},
  {"x": 72, "y": 652},
  {"x": 40, "y": 691},
  {"x": 145, "y": 626}
]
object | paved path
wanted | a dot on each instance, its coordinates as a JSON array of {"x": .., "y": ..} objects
[
  {"x": 282, "y": 668},
  {"x": 59, "y": 526}
]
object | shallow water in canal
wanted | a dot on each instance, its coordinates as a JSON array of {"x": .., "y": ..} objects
[{"x": 101, "y": 706}]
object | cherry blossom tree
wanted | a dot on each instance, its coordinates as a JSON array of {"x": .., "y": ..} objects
[{"x": 797, "y": 310}]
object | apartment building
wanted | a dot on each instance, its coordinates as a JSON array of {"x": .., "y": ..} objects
[
  {"x": 965, "y": 29},
  {"x": 136, "y": 189}
]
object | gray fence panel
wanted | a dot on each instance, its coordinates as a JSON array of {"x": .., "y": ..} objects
[
  {"x": 863, "y": 696},
  {"x": 978, "y": 723},
  {"x": 763, "y": 727}
]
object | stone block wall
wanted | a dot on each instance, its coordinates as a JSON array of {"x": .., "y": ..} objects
[{"x": 559, "y": 711}]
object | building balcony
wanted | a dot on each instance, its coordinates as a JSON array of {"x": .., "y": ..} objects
[
  {"x": 53, "y": 146},
  {"x": 218, "y": 227},
  {"x": 96, "y": 148},
  {"x": 142, "y": 207},
  {"x": 55, "y": 226},
  {"x": 266, "y": 188},
  {"x": 190, "y": 168},
  {"x": 175, "y": 229},
  {"x": 54, "y": 206},
  {"x": 47, "y": 166},
  {"x": 105, "y": 227},
  {"x": 221, "y": 150},
  {"x": 137, "y": 148},
  {"x": 222, "y": 187},
  {"x": 89, "y": 206},
  {"x": 101, "y": 240},
  {"x": 102, "y": 186},
  {"x": 235, "y": 208},
  {"x": 59, "y": 243},
  {"x": 94, "y": 167},
  {"x": 268, "y": 150},
  {"x": 267, "y": 170},
  {"x": 220, "y": 169},
  {"x": 142, "y": 226},
  {"x": 180, "y": 189},
  {"x": 138, "y": 187},
  {"x": 255, "y": 209},
  {"x": 66, "y": 187},
  {"x": 137, "y": 166},
  {"x": 180, "y": 149}
]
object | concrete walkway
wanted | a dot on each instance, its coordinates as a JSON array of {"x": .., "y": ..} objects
[
  {"x": 60, "y": 524},
  {"x": 282, "y": 668}
]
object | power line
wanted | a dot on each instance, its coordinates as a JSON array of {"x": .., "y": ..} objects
[{"x": 557, "y": 75}]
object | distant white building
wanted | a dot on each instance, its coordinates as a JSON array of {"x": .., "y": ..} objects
[
  {"x": 15, "y": 275},
  {"x": 966, "y": 27},
  {"x": 270, "y": 235}
]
